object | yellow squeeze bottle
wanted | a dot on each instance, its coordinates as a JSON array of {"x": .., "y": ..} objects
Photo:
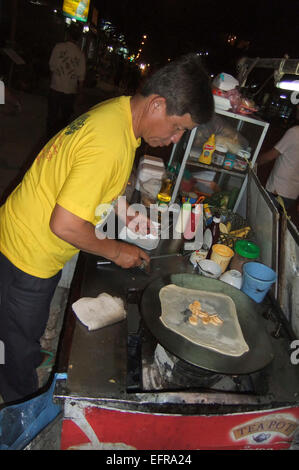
[{"x": 208, "y": 150}]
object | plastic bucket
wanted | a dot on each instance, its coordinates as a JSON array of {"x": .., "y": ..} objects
[
  {"x": 222, "y": 255},
  {"x": 257, "y": 280}
]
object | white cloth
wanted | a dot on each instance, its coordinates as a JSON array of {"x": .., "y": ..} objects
[
  {"x": 284, "y": 177},
  {"x": 67, "y": 64},
  {"x": 100, "y": 311}
]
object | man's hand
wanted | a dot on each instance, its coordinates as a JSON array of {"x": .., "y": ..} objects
[
  {"x": 81, "y": 234},
  {"x": 130, "y": 256}
]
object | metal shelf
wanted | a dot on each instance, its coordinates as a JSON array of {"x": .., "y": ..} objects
[
  {"x": 212, "y": 167},
  {"x": 186, "y": 146}
]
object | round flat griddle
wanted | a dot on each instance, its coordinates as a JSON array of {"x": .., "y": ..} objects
[{"x": 260, "y": 352}]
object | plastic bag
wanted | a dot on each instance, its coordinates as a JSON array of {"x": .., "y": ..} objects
[{"x": 21, "y": 423}]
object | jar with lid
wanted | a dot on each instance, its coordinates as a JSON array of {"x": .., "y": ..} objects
[
  {"x": 219, "y": 155},
  {"x": 229, "y": 161},
  {"x": 242, "y": 160},
  {"x": 245, "y": 251}
]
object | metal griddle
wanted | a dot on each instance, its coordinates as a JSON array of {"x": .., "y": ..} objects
[{"x": 260, "y": 352}]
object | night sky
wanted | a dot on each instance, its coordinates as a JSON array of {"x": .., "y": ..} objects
[{"x": 178, "y": 26}]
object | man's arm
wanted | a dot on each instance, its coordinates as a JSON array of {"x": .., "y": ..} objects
[
  {"x": 81, "y": 234},
  {"x": 268, "y": 156}
]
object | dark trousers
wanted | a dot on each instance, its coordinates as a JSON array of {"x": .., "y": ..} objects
[
  {"x": 60, "y": 110},
  {"x": 24, "y": 311}
]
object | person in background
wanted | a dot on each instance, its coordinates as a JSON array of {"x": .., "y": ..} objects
[
  {"x": 53, "y": 213},
  {"x": 68, "y": 69},
  {"x": 283, "y": 180}
]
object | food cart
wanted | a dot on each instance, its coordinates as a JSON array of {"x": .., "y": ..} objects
[{"x": 137, "y": 385}]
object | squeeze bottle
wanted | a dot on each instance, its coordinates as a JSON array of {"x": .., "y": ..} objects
[
  {"x": 208, "y": 150},
  {"x": 192, "y": 223},
  {"x": 183, "y": 218}
]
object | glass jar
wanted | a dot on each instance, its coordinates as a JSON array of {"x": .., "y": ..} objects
[
  {"x": 245, "y": 251},
  {"x": 240, "y": 164},
  {"x": 219, "y": 155},
  {"x": 229, "y": 161}
]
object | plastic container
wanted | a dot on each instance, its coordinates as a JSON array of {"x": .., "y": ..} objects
[
  {"x": 183, "y": 218},
  {"x": 219, "y": 155},
  {"x": 209, "y": 268},
  {"x": 232, "y": 277},
  {"x": 229, "y": 161},
  {"x": 147, "y": 171},
  {"x": 208, "y": 150},
  {"x": 197, "y": 256},
  {"x": 222, "y": 255},
  {"x": 192, "y": 223},
  {"x": 245, "y": 252},
  {"x": 257, "y": 280}
]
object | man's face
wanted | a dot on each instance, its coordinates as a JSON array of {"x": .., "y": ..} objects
[{"x": 163, "y": 129}]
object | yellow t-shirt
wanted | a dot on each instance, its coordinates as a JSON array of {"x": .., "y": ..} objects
[{"x": 88, "y": 163}]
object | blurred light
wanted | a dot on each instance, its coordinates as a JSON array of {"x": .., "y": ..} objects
[
  {"x": 284, "y": 97},
  {"x": 144, "y": 36},
  {"x": 142, "y": 66},
  {"x": 288, "y": 83},
  {"x": 85, "y": 29}
]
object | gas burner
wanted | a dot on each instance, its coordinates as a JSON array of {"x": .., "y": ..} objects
[{"x": 167, "y": 371}]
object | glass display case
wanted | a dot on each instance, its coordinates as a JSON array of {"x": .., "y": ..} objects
[{"x": 240, "y": 135}]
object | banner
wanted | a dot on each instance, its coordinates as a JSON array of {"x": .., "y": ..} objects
[{"x": 76, "y": 9}]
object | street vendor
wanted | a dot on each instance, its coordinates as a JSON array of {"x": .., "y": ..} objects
[{"x": 52, "y": 213}]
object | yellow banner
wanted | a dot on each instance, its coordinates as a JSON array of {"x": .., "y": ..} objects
[{"x": 77, "y": 9}]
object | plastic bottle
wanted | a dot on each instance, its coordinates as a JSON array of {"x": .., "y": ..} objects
[
  {"x": 215, "y": 232},
  {"x": 192, "y": 223},
  {"x": 208, "y": 214},
  {"x": 165, "y": 192},
  {"x": 183, "y": 218},
  {"x": 208, "y": 150}
]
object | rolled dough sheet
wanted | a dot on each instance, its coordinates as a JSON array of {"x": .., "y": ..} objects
[{"x": 226, "y": 338}]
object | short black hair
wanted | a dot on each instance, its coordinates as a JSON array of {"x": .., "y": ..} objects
[{"x": 186, "y": 86}]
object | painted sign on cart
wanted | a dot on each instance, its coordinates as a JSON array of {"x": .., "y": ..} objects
[{"x": 86, "y": 427}]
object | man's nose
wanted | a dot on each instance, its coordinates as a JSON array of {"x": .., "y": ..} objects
[{"x": 176, "y": 137}]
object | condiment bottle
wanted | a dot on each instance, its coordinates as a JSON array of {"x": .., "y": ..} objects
[
  {"x": 215, "y": 232},
  {"x": 165, "y": 192},
  {"x": 208, "y": 150},
  {"x": 192, "y": 223},
  {"x": 183, "y": 218},
  {"x": 208, "y": 214}
]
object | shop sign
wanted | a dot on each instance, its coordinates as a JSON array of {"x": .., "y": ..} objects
[{"x": 76, "y": 9}]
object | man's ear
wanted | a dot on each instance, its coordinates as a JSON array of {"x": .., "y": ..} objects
[{"x": 157, "y": 104}]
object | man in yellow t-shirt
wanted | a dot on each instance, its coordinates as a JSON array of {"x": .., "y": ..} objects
[{"x": 53, "y": 212}]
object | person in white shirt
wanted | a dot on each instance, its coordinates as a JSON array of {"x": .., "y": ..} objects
[
  {"x": 68, "y": 68},
  {"x": 283, "y": 180}
]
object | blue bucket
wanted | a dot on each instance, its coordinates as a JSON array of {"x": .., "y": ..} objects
[{"x": 257, "y": 280}]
